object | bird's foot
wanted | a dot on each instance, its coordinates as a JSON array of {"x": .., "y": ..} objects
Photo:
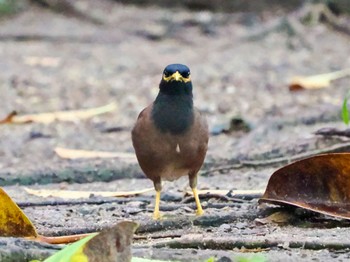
[
  {"x": 157, "y": 216},
  {"x": 199, "y": 212}
]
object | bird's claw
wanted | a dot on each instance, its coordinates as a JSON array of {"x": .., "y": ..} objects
[
  {"x": 157, "y": 216},
  {"x": 199, "y": 212}
]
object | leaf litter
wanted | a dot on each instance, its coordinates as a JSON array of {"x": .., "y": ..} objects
[
  {"x": 46, "y": 118},
  {"x": 320, "y": 183}
]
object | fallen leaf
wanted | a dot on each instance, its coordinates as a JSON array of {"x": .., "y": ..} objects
[
  {"x": 345, "y": 110},
  {"x": 58, "y": 116},
  {"x": 316, "y": 81},
  {"x": 70, "y": 194},
  {"x": 111, "y": 244},
  {"x": 320, "y": 183},
  {"x": 8, "y": 118},
  {"x": 13, "y": 222},
  {"x": 76, "y": 154},
  {"x": 279, "y": 217},
  {"x": 42, "y": 61}
]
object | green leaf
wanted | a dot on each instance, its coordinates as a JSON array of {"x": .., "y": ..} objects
[
  {"x": 253, "y": 258},
  {"x": 111, "y": 244},
  {"x": 345, "y": 111},
  {"x": 68, "y": 252}
]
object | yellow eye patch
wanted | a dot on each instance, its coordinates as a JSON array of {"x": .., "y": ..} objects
[{"x": 176, "y": 77}]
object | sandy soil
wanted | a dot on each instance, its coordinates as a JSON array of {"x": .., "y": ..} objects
[{"x": 53, "y": 62}]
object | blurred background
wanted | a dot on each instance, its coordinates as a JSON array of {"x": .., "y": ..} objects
[{"x": 72, "y": 55}]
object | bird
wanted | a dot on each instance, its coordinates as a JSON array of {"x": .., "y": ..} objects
[{"x": 170, "y": 136}]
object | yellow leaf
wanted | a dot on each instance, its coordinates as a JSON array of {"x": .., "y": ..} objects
[
  {"x": 316, "y": 81},
  {"x": 59, "y": 115},
  {"x": 13, "y": 222},
  {"x": 45, "y": 61},
  {"x": 70, "y": 194},
  {"x": 76, "y": 154}
]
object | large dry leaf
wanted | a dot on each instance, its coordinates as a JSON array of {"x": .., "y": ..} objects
[
  {"x": 70, "y": 194},
  {"x": 13, "y": 222},
  {"x": 59, "y": 115},
  {"x": 320, "y": 183},
  {"x": 316, "y": 81},
  {"x": 76, "y": 154},
  {"x": 111, "y": 244}
]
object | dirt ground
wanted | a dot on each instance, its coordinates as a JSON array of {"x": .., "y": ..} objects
[{"x": 54, "y": 62}]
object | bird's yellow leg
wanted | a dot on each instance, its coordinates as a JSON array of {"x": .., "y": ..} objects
[
  {"x": 199, "y": 211},
  {"x": 156, "y": 213},
  {"x": 193, "y": 185}
]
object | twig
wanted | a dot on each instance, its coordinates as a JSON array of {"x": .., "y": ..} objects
[
  {"x": 194, "y": 207},
  {"x": 169, "y": 235},
  {"x": 229, "y": 243},
  {"x": 332, "y": 149},
  {"x": 292, "y": 25},
  {"x": 221, "y": 197},
  {"x": 221, "y": 169},
  {"x": 98, "y": 201},
  {"x": 343, "y": 147},
  {"x": 162, "y": 225},
  {"x": 332, "y": 20},
  {"x": 329, "y": 132},
  {"x": 68, "y": 8}
]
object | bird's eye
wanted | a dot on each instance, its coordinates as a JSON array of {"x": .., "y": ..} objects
[
  {"x": 166, "y": 74},
  {"x": 186, "y": 74}
]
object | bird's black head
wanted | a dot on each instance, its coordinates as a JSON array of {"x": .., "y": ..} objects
[
  {"x": 176, "y": 80},
  {"x": 173, "y": 108}
]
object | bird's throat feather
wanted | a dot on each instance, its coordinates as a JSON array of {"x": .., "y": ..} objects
[{"x": 173, "y": 114}]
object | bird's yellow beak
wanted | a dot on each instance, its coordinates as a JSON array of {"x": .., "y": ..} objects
[{"x": 177, "y": 77}]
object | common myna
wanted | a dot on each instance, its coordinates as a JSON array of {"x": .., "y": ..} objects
[{"x": 170, "y": 136}]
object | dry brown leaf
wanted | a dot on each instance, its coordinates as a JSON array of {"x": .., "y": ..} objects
[
  {"x": 71, "y": 194},
  {"x": 320, "y": 183},
  {"x": 316, "y": 81},
  {"x": 8, "y": 118},
  {"x": 58, "y": 116},
  {"x": 111, "y": 244},
  {"x": 76, "y": 154}
]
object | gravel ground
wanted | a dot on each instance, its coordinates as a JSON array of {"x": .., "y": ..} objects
[{"x": 52, "y": 62}]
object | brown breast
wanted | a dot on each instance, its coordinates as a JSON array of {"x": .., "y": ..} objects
[{"x": 166, "y": 155}]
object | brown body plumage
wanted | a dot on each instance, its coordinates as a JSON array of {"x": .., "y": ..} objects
[{"x": 170, "y": 136}]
